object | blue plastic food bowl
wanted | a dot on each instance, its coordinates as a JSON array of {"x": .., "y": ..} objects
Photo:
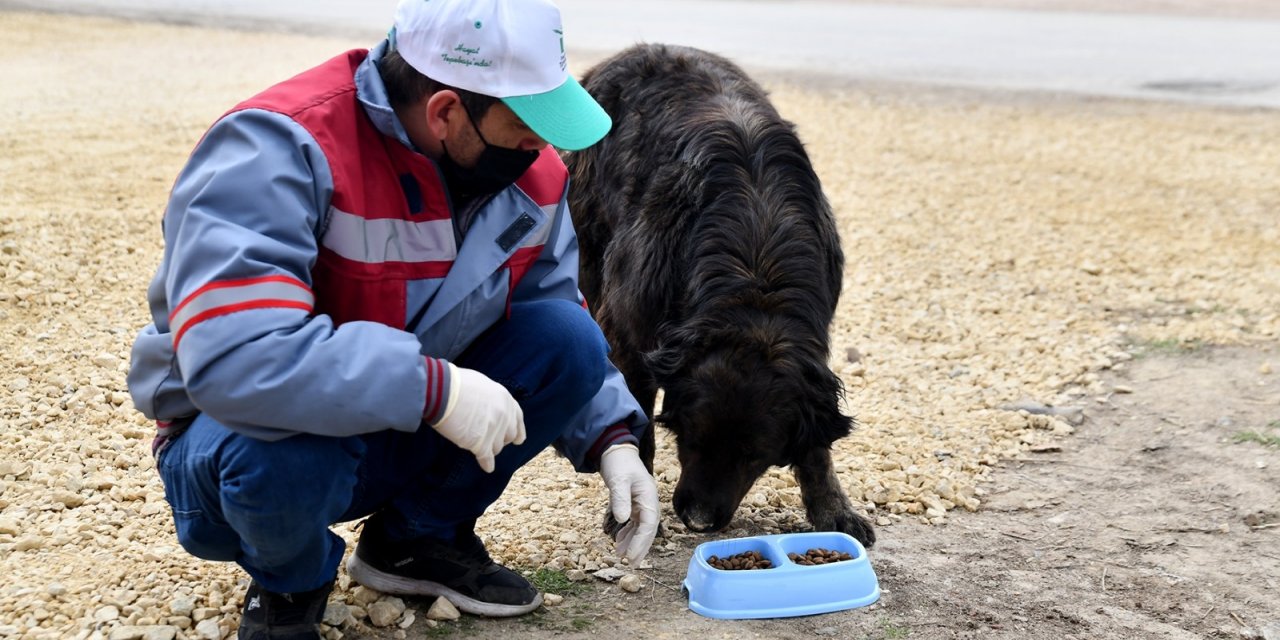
[{"x": 787, "y": 589}]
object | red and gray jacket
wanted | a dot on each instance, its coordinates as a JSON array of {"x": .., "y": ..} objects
[{"x": 314, "y": 277}]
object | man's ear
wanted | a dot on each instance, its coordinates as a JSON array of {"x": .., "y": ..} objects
[{"x": 442, "y": 106}]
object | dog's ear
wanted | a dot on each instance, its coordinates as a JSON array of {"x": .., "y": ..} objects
[
  {"x": 672, "y": 355},
  {"x": 821, "y": 422}
]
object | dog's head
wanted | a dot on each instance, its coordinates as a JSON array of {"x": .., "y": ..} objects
[{"x": 738, "y": 405}]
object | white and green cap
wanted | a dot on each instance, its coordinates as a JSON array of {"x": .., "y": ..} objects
[{"x": 508, "y": 49}]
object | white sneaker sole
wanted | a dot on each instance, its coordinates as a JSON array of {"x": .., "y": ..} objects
[{"x": 399, "y": 585}]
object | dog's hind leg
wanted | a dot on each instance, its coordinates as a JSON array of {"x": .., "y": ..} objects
[{"x": 825, "y": 501}]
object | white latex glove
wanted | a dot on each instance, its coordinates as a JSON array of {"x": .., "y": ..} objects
[
  {"x": 481, "y": 416},
  {"x": 633, "y": 497}
]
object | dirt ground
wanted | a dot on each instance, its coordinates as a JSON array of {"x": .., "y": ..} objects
[
  {"x": 1159, "y": 518},
  {"x": 1059, "y": 332}
]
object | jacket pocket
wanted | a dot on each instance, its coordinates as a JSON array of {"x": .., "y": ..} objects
[{"x": 347, "y": 290}]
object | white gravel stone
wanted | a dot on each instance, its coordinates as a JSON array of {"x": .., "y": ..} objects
[
  {"x": 68, "y": 499},
  {"x": 396, "y": 603},
  {"x": 182, "y": 606},
  {"x": 160, "y": 632},
  {"x": 610, "y": 574},
  {"x": 106, "y": 614},
  {"x": 13, "y": 468},
  {"x": 364, "y": 596},
  {"x": 407, "y": 620},
  {"x": 204, "y": 613},
  {"x": 442, "y": 609},
  {"x": 28, "y": 544},
  {"x": 552, "y": 599},
  {"x": 209, "y": 630},
  {"x": 384, "y": 612},
  {"x": 336, "y": 613},
  {"x": 631, "y": 583},
  {"x": 106, "y": 360},
  {"x": 127, "y": 632}
]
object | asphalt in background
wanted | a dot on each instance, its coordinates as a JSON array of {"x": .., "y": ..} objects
[{"x": 1195, "y": 59}]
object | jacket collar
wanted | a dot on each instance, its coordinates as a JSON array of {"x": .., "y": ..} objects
[{"x": 373, "y": 97}]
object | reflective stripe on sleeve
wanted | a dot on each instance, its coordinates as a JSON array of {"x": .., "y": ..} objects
[
  {"x": 377, "y": 240},
  {"x": 228, "y": 296}
]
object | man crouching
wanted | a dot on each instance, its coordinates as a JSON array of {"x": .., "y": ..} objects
[{"x": 368, "y": 306}]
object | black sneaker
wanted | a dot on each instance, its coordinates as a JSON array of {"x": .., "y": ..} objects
[
  {"x": 282, "y": 616},
  {"x": 460, "y": 571}
]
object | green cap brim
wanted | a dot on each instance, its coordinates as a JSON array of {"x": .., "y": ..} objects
[{"x": 567, "y": 117}]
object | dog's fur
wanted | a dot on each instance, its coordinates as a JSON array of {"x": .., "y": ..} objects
[{"x": 711, "y": 260}]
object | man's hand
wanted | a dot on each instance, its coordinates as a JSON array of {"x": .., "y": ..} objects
[
  {"x": 481, "y": 416},
  {"x": 633, "y": 498}
]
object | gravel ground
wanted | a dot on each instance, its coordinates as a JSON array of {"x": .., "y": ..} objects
[{"x": 1004, "y": 253}]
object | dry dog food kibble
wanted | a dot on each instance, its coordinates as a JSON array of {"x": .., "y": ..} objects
[
  {"x": 819, "y": 556},
  {"x": 741, "y": 561}
]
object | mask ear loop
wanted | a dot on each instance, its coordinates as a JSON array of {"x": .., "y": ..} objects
[{"x": 472, "y": 120}]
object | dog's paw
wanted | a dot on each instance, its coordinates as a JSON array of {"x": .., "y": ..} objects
[
  {"x": 611, "y": 525},
  {"x": 845, "y": 521}
]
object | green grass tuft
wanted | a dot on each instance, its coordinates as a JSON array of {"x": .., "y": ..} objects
[
  {"x": 1169, "y": 346},
  {"x": 554, "y": 581},
  {"x": 1264, "y": 439},
  {"x": 893, "y": 631}
]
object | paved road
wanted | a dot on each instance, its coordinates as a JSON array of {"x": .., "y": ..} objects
[{"x": 1204, "y": 60}]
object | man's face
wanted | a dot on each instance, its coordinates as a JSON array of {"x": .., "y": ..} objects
[{"x": 500, "y": 127}]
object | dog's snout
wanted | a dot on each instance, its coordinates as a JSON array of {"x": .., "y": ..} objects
[
  {"x": 698, "y": 519},
  {"x": 700, "y": 514}
]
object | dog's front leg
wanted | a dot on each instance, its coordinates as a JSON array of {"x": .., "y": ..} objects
[{"x": 825, "y": 501}]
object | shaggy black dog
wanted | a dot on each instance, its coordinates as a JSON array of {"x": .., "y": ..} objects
[{"x": 711, "y": 260}]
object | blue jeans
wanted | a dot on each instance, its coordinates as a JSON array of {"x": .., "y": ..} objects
[{"x": 268, "y": 505}]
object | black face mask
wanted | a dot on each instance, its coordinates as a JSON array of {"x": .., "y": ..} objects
[{"x": 496, "y": 169}]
